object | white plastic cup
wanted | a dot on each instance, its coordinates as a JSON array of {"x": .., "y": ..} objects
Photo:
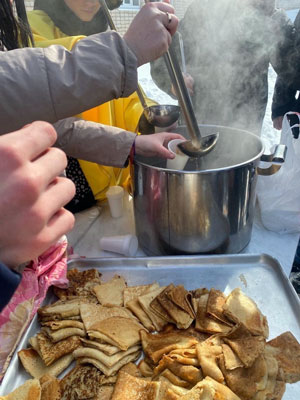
[
  {"x": 126, "y": 244},
  {"x": 115, "y": 195},
  {"x": 180, "y": 159}
]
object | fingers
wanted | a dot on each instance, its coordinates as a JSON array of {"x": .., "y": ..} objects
[
  {"x": 32, "y": 140},
  {"x": 57, "y": 195},
  {"x": 168, "y": 18},
  {"x": 49, "y": 165}
]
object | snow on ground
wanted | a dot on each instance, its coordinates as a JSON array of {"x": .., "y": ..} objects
[{"x": 269, "y": 135}]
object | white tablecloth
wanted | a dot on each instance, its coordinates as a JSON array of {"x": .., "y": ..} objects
[{"x": 96, "y": 222}]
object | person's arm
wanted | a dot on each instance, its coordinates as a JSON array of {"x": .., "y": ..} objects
[
  {"x": 283, "y": 99},
  {"x": 285, "y": 51},
  {"x": 9, "y": 281},
  {"x": 108, "y": 145},
  {"x": 54, "y": 83}
]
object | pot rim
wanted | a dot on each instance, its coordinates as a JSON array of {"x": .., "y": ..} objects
[{"x": 206, "y": 171}]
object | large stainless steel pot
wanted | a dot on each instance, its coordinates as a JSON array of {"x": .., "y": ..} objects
[{"x": 208, "y": 207}]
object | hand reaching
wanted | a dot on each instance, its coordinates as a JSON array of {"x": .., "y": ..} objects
[{"x": 154, "y": 145}]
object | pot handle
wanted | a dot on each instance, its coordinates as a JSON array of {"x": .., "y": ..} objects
[{"x": 277, "y": 159}]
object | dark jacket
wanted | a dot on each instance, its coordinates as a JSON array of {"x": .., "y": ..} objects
[
  {"x": 9, "y": 281},
  {"x": 284, "y": 97},
  {"x": 228, "y": 52}
]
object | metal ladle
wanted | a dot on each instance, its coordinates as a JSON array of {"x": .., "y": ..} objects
[
  {"x": 198, "y": 145},
  {"x": 158, "y": 115}
]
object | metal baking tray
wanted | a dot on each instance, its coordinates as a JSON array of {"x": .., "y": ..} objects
[{"x": 259, "y": 276}]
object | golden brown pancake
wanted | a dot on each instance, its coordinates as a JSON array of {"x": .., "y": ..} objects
[
  {"x": 129, "y": 388},
  {"x": 286, "y": 349},
  {"x": 204, "y": 323},
  {"x": 215, "y": 303},
  {"x": 111, "y": 293},
  {"x": 155, "y": 346},
  {"x": 35, "y": 366},
  {"x": 240, "y": 308},
  {"x": 30, "y": 390},
  {"x": 80, "y": 284},
  {"x": 51, "y": 352}
]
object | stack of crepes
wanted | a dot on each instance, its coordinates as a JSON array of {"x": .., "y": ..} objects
[{"x": 207, "y": 346}]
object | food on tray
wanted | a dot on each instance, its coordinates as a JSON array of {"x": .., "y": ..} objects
[
  {"x": 207, "y": 346},
  {"x": 111, "y": 292},
  {"x": 81, "y": 283},
  {"x": 35, "y": 366},
  {"x": 240, "y": 308},
  {"x": 285, "y": 348},
  {"x": 30, "y": 390},
  {"x": 50, "y": 351},
  {"x": 50, "y": 388}
]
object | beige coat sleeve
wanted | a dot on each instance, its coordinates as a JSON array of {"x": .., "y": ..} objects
[
  {"x": 53, "y": 83},
  {"x": 94, "y": 142}
]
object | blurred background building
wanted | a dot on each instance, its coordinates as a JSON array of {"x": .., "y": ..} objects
[{"x": 123, "y": 16}]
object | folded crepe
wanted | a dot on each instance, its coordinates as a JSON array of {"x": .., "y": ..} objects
[
  {"x": 130, "y": 388},
  {"x": 111, "y": 292},
  {"x": 30, "y": 390},
  {"x": 66, "y": 323},
  {"x": 208, "y": 357},
  {"x": 245, "y": 346},
  {"x": 240, "y": 308},
  {"x": 245, "y": 382},
  {"x": 108, "y": 361},
  {"x": 82, "y": 379},
  {"x": 181, "y": 318},
  {"x": 188, "y": 373},
  {"x": 106, "y": 348},
  {"x": 62, "y": 309},
  {"x": 207, "y": 324},
  {"x": 92, "y": 314},
  {"x": 64, "y": 333},
  {"x": 267, "y": 387},
  {"x": 109, "y": 371},
  {"x": 182, "y": 298},
  {"x": 159, "y": 310},
  {"x": 145, "y": 369},
  {"x": 132, "y": 369},
  {"x": 133, "y": 292},
  {"x": 215, "y": 303},
  {"x": 286, "y": 349},
  {"x": 137, "y": 310},
  {"x": 155, "y": 346},
  {"x": 51, "y": 352},
  {"x": 35, "y": 366},
  {"x": 230, "y": 358},
  {"x": 81, "y": 284},
  {"x": 118, "y": 331},
  {"x": 145, "y": 301},
  {"x": 209, "y": 389},
  {"x": 50, "y": 388}
]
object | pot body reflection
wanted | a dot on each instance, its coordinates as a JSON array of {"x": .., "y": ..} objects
[{"x": 207, "y": 208}]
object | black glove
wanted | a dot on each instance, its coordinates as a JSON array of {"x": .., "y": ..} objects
[{"x": 112, "y": 4}]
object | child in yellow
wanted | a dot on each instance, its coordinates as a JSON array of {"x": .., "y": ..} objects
[{"x": 64, "y": 22}]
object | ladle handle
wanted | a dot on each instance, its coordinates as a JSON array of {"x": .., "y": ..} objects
[
  {"x": 113, "y": 28},
  {"x": 182, "y": 94}
]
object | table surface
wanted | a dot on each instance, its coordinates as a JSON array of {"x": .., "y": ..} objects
[{"x": 96, "y": 222}]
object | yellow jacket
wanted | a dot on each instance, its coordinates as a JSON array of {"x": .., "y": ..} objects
[{"x": 123, "y": 113}]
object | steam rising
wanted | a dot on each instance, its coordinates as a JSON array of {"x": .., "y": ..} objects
[{"x": 228, "y": 45}]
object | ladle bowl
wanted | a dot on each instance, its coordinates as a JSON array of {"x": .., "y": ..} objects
[
  {"x": 199, "y": 148},
  {"x": 162, "y": 116}
]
